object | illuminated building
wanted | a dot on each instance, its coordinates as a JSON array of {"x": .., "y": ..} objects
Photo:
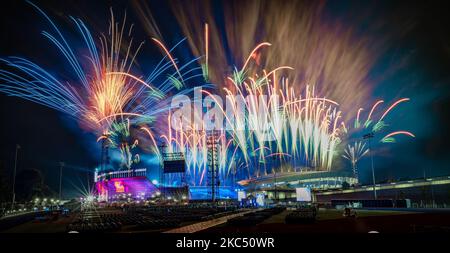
[{"x": 124, "y": 185}]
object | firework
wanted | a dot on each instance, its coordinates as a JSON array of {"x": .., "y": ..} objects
[
  {"x": 326, "y": 53},
  {"x": 98, "y": 95},
  {"x": 370, "y": 125},
  {"x": 304, "y": 129},
  {"x": 105, "y": 94},
  {"x": 277, "y": 118},
  {"x": 300, "y": 129},
  {"x": 307, "y": 124},
  {"x": 355, "y": 149},
  {"x": 120, "y": 137},
  {"x": 354, "y": 153},
  {"x": 389, "y": 138},
  {"x": 105, "y": 89}
]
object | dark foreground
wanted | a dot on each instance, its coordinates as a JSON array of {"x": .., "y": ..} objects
[
  {"x": 331, "y": 221},
  {"x": 326, "y": 221}
]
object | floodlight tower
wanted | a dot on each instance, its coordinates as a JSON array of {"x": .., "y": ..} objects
[
  {"x": 212, "y": 143},
  {"x": 61, "y": 166},
  {"x": 14, "y": 178},
  {"x": 368, "y": 137}
]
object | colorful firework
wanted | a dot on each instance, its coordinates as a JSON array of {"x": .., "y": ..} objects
[
  {"x": 355, "y": 149},
  {"x": 354, "y": 153},
  {"x": 326, "y": 53},
  {"x": 98, "y": 96},
  {"x": 120, "y": 137},
  {"x": 389, "y": 138},
  {"x": 105, "y": 93},
  {"x": 105, "y": 89},
  {"x": 294, "y": 124},
  {"x": 299, "y": 129},
  {"x": 373, "y": 126}
]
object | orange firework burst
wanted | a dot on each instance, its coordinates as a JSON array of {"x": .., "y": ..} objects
[{"x": 324, "y": 54}]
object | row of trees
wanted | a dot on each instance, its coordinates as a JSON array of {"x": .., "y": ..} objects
[{"x": 29, "y": 185}]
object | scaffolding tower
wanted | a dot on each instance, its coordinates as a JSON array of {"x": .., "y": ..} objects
[{"x": 213, "y": 181}]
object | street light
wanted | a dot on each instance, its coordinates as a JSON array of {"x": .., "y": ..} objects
[
  {"x": 275, "y": 179},
  {"x": 368, "y": 137},
  {"x": 14, "y": 178},
  {"x": 61, "y": 165}
]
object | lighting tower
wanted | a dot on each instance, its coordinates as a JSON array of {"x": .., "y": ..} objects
[
  {"x": 368, "y": 137},
  {"x": 14, "y": 178},
  {"x": 212, "y": 143},
  {"x": 61, "y": 165}
]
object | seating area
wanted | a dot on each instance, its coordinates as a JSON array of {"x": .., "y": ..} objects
[
  {"x": 252, "y": 219},
  {"x": 221, "y": 214},
  {"x": 184, "y": 213},
  {"x": 138, "y": 218},
  {"x": 302, "y": 215},
  {"x": 92, "y": 221},
  {"x": 93, "y": 227},
  {"x": 122, "y": 218},
  {"x": 158, "y": 224}
]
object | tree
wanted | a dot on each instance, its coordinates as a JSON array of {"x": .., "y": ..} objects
[
  {"x": 5, "y": 187},
  {"x": 30, "y": 184}
]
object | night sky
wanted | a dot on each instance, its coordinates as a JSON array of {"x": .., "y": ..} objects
[{"x": 421, "y": 38}]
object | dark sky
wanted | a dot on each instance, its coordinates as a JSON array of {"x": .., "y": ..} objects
[{"x": 47, "y": 137}]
